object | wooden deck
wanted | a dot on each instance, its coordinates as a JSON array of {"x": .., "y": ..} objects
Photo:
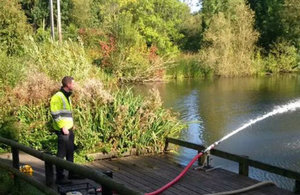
[{"x": 148, "y": 173}]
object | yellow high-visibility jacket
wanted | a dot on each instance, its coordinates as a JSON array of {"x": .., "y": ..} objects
[{"x": 61, "y": 111}]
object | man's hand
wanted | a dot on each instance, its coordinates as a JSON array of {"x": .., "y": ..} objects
[{"x": 65, "y": 131}]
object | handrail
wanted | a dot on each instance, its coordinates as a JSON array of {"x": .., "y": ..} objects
[
  {"x": 244, "y": 162},
  {"x": 29, "y": 180},
  {"x": 78, "y": 169},
  {"x": 257, "y": 164}
]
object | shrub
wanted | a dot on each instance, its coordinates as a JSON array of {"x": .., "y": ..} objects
[
  {"x": 12, "y": 70},
  {"x": 126, "y": 122},
  {"x": 35, "y": 89},
  {"x": 104, "y": 121},
  {"x": 282, "y": 58},
  {"x": 13, "y": 27}
]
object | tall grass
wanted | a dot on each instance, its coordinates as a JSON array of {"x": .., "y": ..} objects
[
  {"x": 57, "y": 60},
  {"x": 188, "y": 66}
]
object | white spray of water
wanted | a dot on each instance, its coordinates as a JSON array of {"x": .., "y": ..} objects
[
  {"x": 277, "y": 110},
  {"x": 281, "y": 109}
]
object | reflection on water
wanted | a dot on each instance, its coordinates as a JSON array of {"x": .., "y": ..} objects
[{"x": 213, "y": 108}]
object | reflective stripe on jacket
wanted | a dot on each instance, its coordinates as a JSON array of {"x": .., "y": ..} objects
[{"x": 61, "y": 111}]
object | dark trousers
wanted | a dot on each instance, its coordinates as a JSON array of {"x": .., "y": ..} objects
[{"x": 65, "y": 149}]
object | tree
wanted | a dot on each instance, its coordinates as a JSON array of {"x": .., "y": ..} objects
[
  {"x": 37, "y": 12},
  {"x": 290, "y": 17},
  {"x": 210, "y": 8},
  {"x": 13, "y": 27},
  {"x": 81, "y": 13},
  {"x": 159, "y": 21},
  {"x": 192, "y": 33},
  {"x": 231, "y": 39},
  {"x": 268, "y": 21}
]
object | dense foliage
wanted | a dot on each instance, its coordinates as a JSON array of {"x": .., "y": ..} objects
[
  {"x": 13, "y": 27},
  {"x": 97, "y": 51},
  {"x": 230, "y": 40},
  {"x": 136, "y": 40},
  {"x": 111, "y": 41}
]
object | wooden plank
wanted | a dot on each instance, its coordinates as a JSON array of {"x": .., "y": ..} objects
[
  {"x": 233, "y": 180},
  {"x": 160, "y": 174},
  {"x": 197, "y": 179},
  {"x": 148, "y": 186},
  {"x": 122, "y": 177},
  {"x": 148, "y": 176}
]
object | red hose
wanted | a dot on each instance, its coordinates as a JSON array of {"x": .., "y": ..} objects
[{"x": 160, "y": 190}]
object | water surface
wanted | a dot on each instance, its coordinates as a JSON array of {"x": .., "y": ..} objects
[{"x": 213, "y": 108}]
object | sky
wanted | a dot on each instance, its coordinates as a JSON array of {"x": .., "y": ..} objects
[{"x": 193, "y": 4}]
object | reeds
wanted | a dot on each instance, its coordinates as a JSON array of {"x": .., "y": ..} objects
[{"x": 188, "y": 66}]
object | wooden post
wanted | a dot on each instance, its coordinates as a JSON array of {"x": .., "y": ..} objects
[
  {"x": 201, "y": 160},
  {"x": 49, "y": 172},
  {"x": 16, "y": 165},
  {"x": 59, "y": 21},
  {"x": 208, "y": 160},
  {"x": 244, "y": 167},
  {"x": 106, "y": 190},
  {"x": 15, "y": 156},
  {"x": 51, "y": 19},
  {"x": 166, "y": 145},
  {"x": 297, "y": 187}
]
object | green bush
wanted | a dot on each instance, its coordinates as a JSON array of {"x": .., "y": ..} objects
[
  {"x": 13, "y": 27},
  {"x": 8, "y": 128},
  {"x": 282, "y": 58},
  {"x": 12, "y": 70},
  {"x": 124, "y": 123}
]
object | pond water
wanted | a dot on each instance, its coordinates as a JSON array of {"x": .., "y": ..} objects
[{"x": 213, "y": 108}]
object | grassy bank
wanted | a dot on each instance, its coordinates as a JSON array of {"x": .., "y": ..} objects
[
  {"x": 106, "y": 118},
  {"x": 283, "y": 58}
]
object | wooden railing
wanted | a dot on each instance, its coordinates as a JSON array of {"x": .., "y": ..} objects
[
  {"x": 244, "y": 161},
  {"x": 106, "y": 182}
]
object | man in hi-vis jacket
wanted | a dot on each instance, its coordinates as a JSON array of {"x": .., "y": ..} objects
[{"x": 61, "y": 111}]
